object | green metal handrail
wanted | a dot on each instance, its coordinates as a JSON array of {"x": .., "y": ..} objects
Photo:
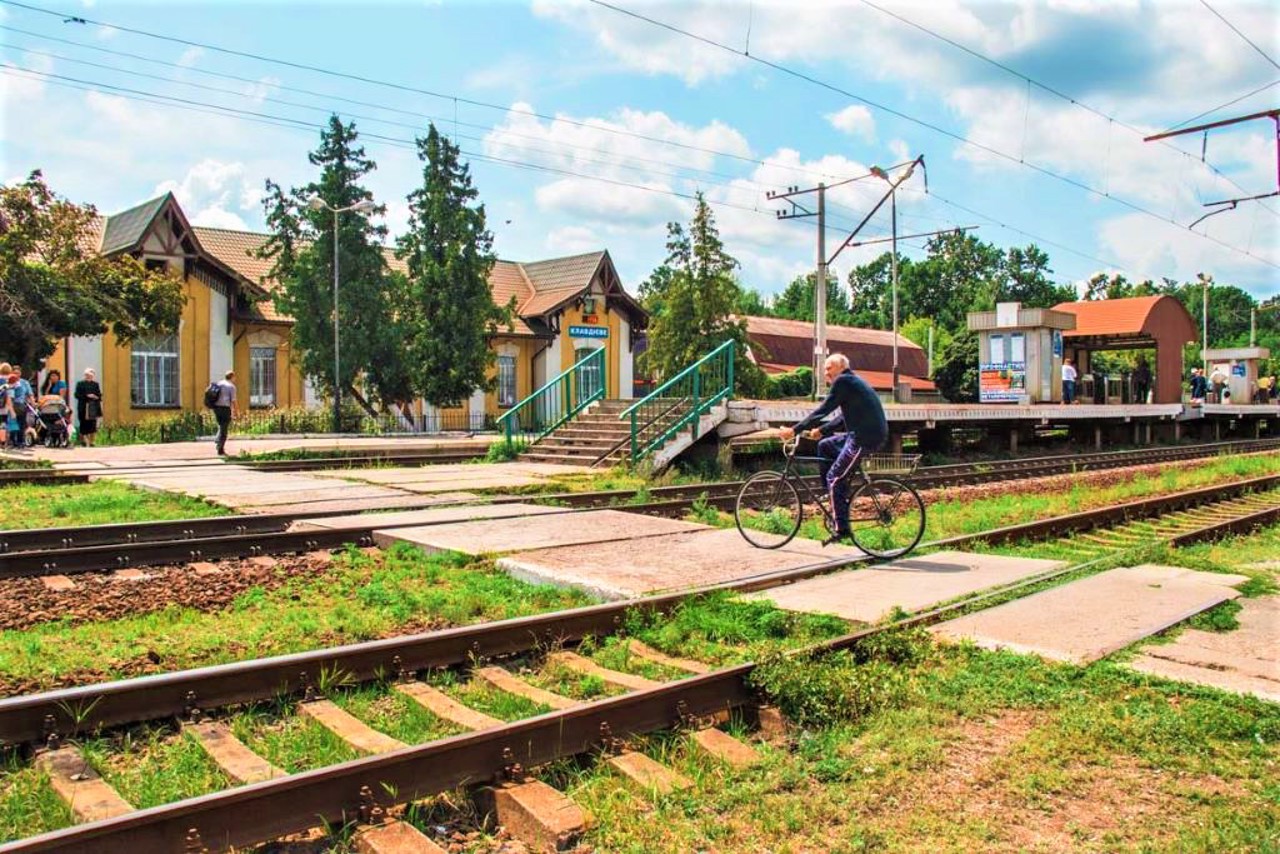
[
  {"x": 679, "y": 401},
  {"x": 559, "y": 400}
]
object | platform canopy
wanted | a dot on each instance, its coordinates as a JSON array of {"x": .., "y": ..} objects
[{"x": 1159, "y": 322}]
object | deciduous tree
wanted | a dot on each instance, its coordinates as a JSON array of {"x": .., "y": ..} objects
[{"x": 53, "y": 284}]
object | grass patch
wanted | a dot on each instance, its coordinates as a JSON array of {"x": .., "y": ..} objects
[
  {"x": 33, "y": 505},
  {"x": 988, "y": 751},
  {"x": 361, "y": 598}
]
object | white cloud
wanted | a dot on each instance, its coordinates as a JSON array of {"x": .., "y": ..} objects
[
  {"x": 854, "y": 120},
  {"x": 586, "y": 199},
  {"x": 218, "y": 217},
  {"x": 190, "y": 56},
  {"x": 572, "y": 239},
  {"x": 210, "y": 188}
]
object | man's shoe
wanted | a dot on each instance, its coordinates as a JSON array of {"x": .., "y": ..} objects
[{"x": 835, "y": 538}]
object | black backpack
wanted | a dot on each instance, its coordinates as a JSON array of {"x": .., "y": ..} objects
[{"x": 211, "y": 395}]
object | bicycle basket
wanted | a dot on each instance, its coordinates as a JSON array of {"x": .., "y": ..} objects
[{"x": 891, "y": 463}]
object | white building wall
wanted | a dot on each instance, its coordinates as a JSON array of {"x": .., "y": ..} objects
[
  {"x": 85, "y": 353},
  {"x": 475, "y": 410},
  {"x": 221, "y": 344}
]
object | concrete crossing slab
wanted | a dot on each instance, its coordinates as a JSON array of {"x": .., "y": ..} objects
[
  {"x": 1245, "y": 660},
  {"x": 298, "y": 496},
  {"x": 498, "y": 536},
  {"x": 1088, "y": 619},
  {"x": 472, "y": 483},
  {"x": 430, "y": 516},
  {"x": 359, "y": 505},
  {"x": 671, "y": 562},
  {"x": 869, "y": 594}
]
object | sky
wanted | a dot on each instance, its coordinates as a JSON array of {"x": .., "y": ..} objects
[{"x": 589, "y": 127}]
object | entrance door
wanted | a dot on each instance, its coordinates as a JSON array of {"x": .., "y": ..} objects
[{"x": 590, "y": 379}]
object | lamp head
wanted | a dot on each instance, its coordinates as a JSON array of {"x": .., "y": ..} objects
[
  {"x": 316, "y": 203},
  {"x": 364, "y": 206}
]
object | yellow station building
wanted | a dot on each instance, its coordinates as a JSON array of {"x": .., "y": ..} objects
[{"x": 565, "y": 308}]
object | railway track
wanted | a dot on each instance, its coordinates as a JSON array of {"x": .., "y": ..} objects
[
  {"x": 489, "y": 749},
  {"x": 53, "y": 551}
]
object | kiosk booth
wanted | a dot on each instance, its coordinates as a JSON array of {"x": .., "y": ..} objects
[
  {"x": 1240, "y": 365},
  {"x": 1020, "y": 353}
]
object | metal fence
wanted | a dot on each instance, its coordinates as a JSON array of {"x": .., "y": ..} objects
[{"x": 189, "y": 426}]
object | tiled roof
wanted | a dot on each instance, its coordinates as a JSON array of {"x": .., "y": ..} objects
[
  {"x": 558, "y": 279},
  {"x": 125, "y": 229},
  {"x": 538, "y": 287},
  {"x": 1110, "y": 316},
  {"x": 842, "y": 334},
  {"x": 788, "y": 344}
]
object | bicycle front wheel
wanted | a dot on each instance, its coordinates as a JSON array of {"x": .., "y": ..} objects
[
  {"x": 768, "y": 510},
  {"x": 886, "y": 518}
]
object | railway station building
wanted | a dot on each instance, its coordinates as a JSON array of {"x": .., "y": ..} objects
[{"x": 565, "y": 308}]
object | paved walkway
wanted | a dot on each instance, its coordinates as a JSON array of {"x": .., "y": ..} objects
[
  {"x": 171, "y": 452},
  {"x": 354, "y": 490}
]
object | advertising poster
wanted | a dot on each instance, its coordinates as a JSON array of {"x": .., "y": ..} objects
[{"x": 1002, "y": 382}]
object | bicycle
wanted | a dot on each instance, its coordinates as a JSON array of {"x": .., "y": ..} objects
[{"x": 886, "y": 516}]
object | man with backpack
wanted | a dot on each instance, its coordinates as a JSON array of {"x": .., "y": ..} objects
[{"x": 221, "y": 398}]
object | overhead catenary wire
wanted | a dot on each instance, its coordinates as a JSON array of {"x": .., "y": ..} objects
[
  {"x": 408, "y": 144},
  {"x": 958, "y": 137},
  {"x": 1236, "y": 30},
  {"x": 373, "y": 81},
  {"x": 294, "y": 124}
]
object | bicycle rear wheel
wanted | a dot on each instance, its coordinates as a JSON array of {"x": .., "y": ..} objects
[
  {"x": 886, "y": 518},
  {"x": 768, "y": 510}
]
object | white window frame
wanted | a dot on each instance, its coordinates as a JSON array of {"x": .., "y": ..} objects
[
  {"x": 154, "y": 373},
  {"x": 506, "y": 380},
  {"x": 262, "y": 382}
]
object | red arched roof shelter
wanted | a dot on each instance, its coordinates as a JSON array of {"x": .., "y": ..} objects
[{"x": 1161, "y": 322}]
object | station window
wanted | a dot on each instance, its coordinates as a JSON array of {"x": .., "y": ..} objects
[
  {"x": 506, "y": 380},
  {"x": 262, "y": 376},
  {"x": 154, "y": 371}
]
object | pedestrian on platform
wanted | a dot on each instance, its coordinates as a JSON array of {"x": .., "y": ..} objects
[
  {"x": 1275, "y": 387},
  {"x": 1068, "y": 381},
  {"x": 19, "y": 392},
  {"x": 1141, "y": 380},
  {"x": 1218, "y": 381},
  {"x": 224, "y": 409},
  {"x": 6, "y": 405},
  {"x": 88, "y": 396},
  {"x": 1199, "y": 387},
  {"x": 1262, "y": 394},
  {"x": 54, "y": 384}
]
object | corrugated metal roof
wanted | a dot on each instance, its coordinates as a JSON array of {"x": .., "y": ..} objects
[
  {"x": 789, "y": 343},
  {"x": 125, "y": 229},
  {"x": 1110, "y": 316},
  {"x": 843, "y": 334}
]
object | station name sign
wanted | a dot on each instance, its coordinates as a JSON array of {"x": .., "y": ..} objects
[{"x": 589, "y": 331}]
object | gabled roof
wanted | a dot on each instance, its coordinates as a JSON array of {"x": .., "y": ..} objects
[
  {"x": 788, "y": 344},
  {"x": 127, "y": 228},
  {"x": 843, "y": 334},
  {"x": 558, "y": 280}
]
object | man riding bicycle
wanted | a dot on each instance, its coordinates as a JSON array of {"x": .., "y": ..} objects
[{"x": 866, "y": 429}]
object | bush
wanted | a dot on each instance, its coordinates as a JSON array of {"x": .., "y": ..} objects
[
  {"x": 797, "y": 383},
  {"x": 505, "y": 450}
]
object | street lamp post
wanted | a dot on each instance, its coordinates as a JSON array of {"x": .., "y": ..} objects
[
  {"x": 363, "y": 206},
  {"x": 894, "y": 183}
]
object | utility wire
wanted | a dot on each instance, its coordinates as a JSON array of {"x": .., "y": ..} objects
[
  {"x": 329, "y": 96},
  {"x": 1247, "y": 40},
  {"x": 398, "y": 142},
  {"x": 1230, "y": 103},
  {"x": 808, "y": 78},
  {"x": 80, "y": 19},
  {"x": 982, "y": 57}
]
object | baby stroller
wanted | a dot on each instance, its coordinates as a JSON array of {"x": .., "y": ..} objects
[{"x": 52, "y": 414}]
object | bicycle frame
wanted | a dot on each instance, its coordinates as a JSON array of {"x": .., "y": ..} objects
[{"x": 820, "y": 497}]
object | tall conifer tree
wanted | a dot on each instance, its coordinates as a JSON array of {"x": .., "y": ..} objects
[
  {"x": 448, "y": 312},
  {"x": 301, "y": 247}
]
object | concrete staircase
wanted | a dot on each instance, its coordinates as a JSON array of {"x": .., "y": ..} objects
[
  {"x": 594, "y": 436},
  {"x": 598, "y": 438}
]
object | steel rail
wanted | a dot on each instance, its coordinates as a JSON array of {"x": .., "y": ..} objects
[
  {"x": 932, "y": 477},
  {"x": 341, "y": 793},
  {"x": 83, "y": 708}
]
